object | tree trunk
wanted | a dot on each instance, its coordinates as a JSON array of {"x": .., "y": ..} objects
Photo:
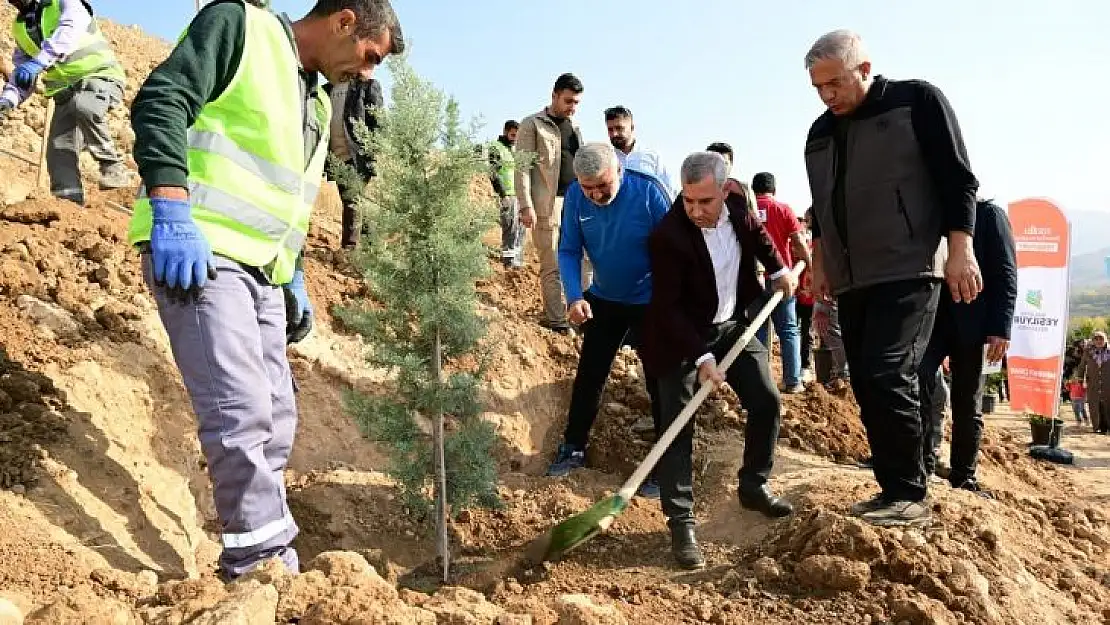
[{"x": 442, "y": 546}]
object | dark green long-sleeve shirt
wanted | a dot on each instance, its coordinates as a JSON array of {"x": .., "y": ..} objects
[{"x": 196, "y": 72}]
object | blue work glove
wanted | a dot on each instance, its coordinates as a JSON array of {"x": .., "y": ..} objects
[
  {"x": 298, "y": 310},
  {"x": 25, "y": 75},
  {"x": 181, "y": 258}
]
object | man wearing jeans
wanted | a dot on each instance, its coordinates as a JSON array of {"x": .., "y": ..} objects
[
  {"x": 60, "y": 41},
  {"x": 884, "y": 208},
  {"x": 786, "y": 233},
  {"x": 609, "y": 213}
]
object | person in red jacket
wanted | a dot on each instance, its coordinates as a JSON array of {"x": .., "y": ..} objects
[{"x": 1077, "y": 394}]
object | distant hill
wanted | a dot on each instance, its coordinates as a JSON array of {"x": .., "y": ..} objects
[
  {"x": 1090, "y": 231},
  {"x": 1089, "y": 269}
]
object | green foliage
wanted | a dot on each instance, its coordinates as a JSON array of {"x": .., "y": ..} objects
[
  {"x": 1090, "y": 302},
  {"x": 1084, "y": 327},
  {"x": 1040, "y": 419},
  {"x": 421, "y": 259},
  {"x": 994, "y": 382}
]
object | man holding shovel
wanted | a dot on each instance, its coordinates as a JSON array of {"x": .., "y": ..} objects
[
  {"x": 59, "y": 41},
  {"x": 703, "y": 263}
]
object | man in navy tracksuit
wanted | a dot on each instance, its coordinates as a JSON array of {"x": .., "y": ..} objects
[{"x": 608, "y": 214}]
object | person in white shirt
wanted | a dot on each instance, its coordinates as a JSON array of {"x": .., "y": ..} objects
[
  {"x": 622, "y": 134},
  {"x": 703, "y": 265}
]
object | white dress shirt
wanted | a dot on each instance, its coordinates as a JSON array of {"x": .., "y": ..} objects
[
  {"x": 724, "y": 251},
  {"x": 647, "y": 162}
]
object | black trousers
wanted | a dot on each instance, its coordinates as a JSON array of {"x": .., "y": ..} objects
[
  {"x": 613, "y": 325},
  {"x": 351, "y": 229},
  {"x": 750, "y": 377},
  {"x": 965, "y": 361},
  {"x": 886, "y": 328},
  {"x": 805, "y": 326}
]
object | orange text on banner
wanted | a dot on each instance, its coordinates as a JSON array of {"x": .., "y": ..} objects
[{"x": 1042, "y": 240}]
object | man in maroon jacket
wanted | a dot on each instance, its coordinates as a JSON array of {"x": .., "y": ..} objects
[{"x": 703, "y": 263}]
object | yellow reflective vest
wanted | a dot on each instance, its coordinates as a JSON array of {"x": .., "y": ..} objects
[
  {"x": 250, "y": 190},
  {"x": 93, "y": 57}
]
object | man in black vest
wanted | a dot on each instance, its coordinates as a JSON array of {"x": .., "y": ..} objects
[
  {"x": 884, "y": 207},
  {"x": 963, "y": 331}
]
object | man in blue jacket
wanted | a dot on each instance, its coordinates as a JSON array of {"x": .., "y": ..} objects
[
  {"x": 969, "y": 333},
  {"x": 608, "y": 214}
]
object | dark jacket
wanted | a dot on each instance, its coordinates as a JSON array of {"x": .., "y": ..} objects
[
  {"x": 992, "y": 313},
  {"x": 361, "y": 96},
  {"x": 679, "y": 318},
  {"x": 888, "y": 182}
]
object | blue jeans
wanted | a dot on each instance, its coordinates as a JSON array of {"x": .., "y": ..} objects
[
  {"x": 1080, "y": 408},
  {"x": 785, "y": 319}
]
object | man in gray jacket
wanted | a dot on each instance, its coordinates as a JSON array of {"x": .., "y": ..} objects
[{"x": 891, "y": 182}]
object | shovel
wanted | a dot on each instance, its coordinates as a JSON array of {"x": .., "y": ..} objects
[{"x": 579, "y": 529}]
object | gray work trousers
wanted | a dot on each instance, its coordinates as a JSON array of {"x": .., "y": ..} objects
[
  {"x": 81, "y": 122},
  {"x": 230, "y": 349},
  {"x": 512, "y": 233}
]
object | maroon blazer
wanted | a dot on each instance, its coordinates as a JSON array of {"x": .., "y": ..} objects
[{"x": 684, "y": 288}]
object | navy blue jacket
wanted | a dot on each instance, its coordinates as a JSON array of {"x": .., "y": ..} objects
[{"x": 992, "y": 313}]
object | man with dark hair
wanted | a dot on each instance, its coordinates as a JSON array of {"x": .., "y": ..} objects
[
  {"x": 60, "y": 41},
  {"x": 352, "y": 100},
  {"x": 789, "y": 239},
  {"x": 632, "y": 155},
  {"x": 550, "y": 139},
  {"x": 969, "y": 334},
  {"x": 502, "y": 175},
  {"x": 231, "y": 135},
  {"x": 724, "y": 149},
  {"x": 884, "y": 209}
]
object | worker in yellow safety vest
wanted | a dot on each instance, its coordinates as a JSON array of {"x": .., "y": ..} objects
[
  {"x": 60, "y": 41},
  {"x": 231, "y": 136}
]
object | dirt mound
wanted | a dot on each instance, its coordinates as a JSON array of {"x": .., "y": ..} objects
[
  {"x": 972, "y": 564},
  {"x": 824, "y": 424}
]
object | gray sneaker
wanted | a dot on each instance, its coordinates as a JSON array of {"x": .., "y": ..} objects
[
  {"x": 899, "y": 514},
  {"x": 863, "y": 507},
  {"x": 115, "y": 177}
]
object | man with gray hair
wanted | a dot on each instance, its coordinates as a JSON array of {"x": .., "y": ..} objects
[
  {"x": 883, "y": 211},
  {"x": 608, "y": 213},
  {"x": 703, "y": 267}
]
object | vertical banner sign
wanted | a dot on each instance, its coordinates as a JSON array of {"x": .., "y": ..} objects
[{"x": 1035, "y": 358}]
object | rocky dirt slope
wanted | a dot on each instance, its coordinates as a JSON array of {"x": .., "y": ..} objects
[{"x": 106, "y": 516}]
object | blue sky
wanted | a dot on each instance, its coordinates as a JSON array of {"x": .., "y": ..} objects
[{"x": 1027, "y": 78}]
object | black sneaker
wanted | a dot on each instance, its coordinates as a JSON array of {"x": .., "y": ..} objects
[
  {"x": 567, "y": 459},
  {"x": 558, "y": 327},
  {"x": 973, "y": 486},
  {"x": 863, "y": 507},
  {"x": 899, "y": 514},
  {"x": 649, "y": 489}
]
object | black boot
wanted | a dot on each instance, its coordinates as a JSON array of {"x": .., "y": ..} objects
[
  {"x": 761, "y": 500},
  {"x": 684, "y": 547}
]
